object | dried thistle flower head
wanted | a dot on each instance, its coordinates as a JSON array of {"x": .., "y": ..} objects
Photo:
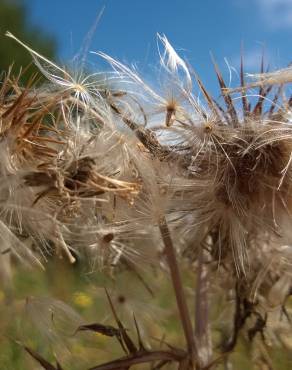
[
  {"x": 128, "y": 174},
  {"x": 84, "y": 172}
]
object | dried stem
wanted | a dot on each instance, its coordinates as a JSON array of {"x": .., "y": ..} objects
[
  {"x": 178, "y": 287},
  {"x": 149, "y": 140},
  {"x": 201, "y": 313}
]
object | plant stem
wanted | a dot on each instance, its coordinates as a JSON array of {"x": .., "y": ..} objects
[
  {"x": 177, "y": 286},
  {"x": 202, "y": 336}
]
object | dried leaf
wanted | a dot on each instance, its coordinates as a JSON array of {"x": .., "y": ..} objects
[
  {"x": 107, "y": 330},
  {"x": 131, "y": 347},
  {"x": 44, "y": 363},
  {"x": 138, "y": 358},
  {"x": 141, "y": 345}
]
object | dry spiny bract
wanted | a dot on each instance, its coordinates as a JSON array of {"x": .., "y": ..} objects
[{"x": 104, "y": 166}]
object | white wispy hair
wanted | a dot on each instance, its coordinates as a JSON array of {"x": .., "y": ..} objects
[
  {"x": 100, "y": 177},
  {"x": 172, "y": 62}
]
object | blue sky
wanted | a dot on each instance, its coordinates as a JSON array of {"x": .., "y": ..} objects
[{"x": 127, "y": 30}]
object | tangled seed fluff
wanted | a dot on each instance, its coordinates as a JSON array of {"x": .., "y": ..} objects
[{"x": 91, "y": 163}]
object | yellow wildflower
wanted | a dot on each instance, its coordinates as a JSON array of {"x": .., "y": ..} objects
[{"x": 82, "y": 299}]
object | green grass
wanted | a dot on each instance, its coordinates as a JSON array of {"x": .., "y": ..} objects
[{"x": 84, "y": 292}]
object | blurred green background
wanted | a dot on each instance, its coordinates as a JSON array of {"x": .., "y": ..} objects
[{"x": 14, "y": 18}]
